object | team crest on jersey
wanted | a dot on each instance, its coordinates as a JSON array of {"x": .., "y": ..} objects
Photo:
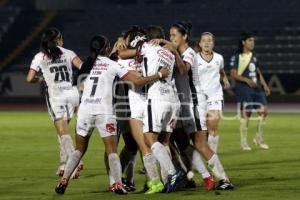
[
  {"x": 110, "y": 128},
  {"x": 252, "y": 67}
]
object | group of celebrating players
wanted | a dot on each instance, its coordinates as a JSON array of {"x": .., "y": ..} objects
[{"x": 157, "y": 94}]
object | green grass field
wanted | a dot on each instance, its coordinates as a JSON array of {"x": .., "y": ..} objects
[{"x": 29, "y": 159}]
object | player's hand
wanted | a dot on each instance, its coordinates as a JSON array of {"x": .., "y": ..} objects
[
  {"x": 156, "y": 41},
  {"x": 121, "y": 43},
  {"x": 226, "y": 84},
  {"x": 164, "y": 72},
  {"x": 171, "y": 47},
  {"x": 251, "y": 83},
  {"x": 267, "y": 90}
]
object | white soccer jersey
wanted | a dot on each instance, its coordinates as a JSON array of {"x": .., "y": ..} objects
[
  {"x": 57, "y": 74},
  {"x": 206, "y": 76},
  {"x": 156, "y": 57},
  {"x": 97, "y": 97},
  {"x": 136, "y": 95}
]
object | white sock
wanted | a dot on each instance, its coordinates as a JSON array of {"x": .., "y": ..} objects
[
  {"x": 62, "y": 153},
  {"x": 213, "y": 142},
  {"x": 72, "y": 163},
  {"x": 243, "y": 130},
  {"x": 199, "y": 165},
  {"x": 217, "y": 167},
  {"x": 260, "y": 127},
  {"x": 151, "y": 167},
  {"x": 111, "y": 179},
  {"x": 163, "y": 157},
  {"x": 115, "y": 167},
  {"x": 67, "y": 143}
]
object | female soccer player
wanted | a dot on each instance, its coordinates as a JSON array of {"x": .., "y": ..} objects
[
  {"x": 56, "y": 63},
  {"x": 96, "y": 109},
  {"x": 185, "y": 58},
  {"x": 197, "y": 124},
  {"x": 161, "y": 111},
  {"x": 211, "y": 70},
  {"x": 251, "y": 89}
]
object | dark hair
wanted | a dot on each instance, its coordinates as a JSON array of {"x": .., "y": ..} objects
[
  {"x": 136, "y": 34},
  {"x": 155, "y": 32},
  {"x": 49, "y": 43},
  {"x": 98, "y": 46},
  {"x": 183, "y": 27},
  {"x": 243, "y": 37}
]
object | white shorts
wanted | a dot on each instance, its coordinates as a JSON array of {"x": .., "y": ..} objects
[
  {"x": 201, "y": 109},
  {"x": 63, "y": 107},
  {"x": 160, "y": 116},
  {"x": 137, "y": 107},
  {"x": 106, "y": 124},
  {"x": 215, "y": 105}
]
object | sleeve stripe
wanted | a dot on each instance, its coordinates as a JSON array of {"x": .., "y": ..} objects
[
  {"x": 33, "y": 69},
  {"x": 124, "y": 75}
]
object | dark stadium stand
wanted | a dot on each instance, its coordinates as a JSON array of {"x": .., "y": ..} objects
[{"x": 275, "y": 23}]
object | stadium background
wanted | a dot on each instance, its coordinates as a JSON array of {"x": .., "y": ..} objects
[
  {"x": 275, "y": 23},
  {"x": 28, "y": 144}
]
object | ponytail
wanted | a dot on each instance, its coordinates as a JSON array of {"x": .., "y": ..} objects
[
  {"x": 49, "y": 44},
  {"x": 98, "y": 46}
]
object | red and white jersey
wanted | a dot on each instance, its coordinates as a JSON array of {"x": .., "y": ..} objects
[
  {"x": 182, "y": 81},
  {"x": 206, "y": 76},
  {"x": 57, "y": 74},
  {"x": 133, "y": 65},
  {"x": 154, "y": 58},
  {"x": 97, "y": 97}
]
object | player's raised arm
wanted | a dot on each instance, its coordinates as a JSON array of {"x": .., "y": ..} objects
[{"x": 141, "y": 81}]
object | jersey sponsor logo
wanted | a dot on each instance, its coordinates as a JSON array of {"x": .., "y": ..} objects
[
  {"x": 252, "y": 67},
  {"x": 133, "y": 63},
  {"x": 164, "y": 91},
  {"x": 110, "y": 128},
  {"x": 92, "y": 100},
  {"x": 165, "y": 54},
  {"x": 100, "y": 66}
]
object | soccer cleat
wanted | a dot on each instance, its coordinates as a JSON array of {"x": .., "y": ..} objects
[
  {"x": 118, "y": 189},
  {"x": 61, "y": 170},
  {"x": 258, "y": 141},
  {"x": 62, "y": 186},
  {"x": 173, "y": 181},
  {"x": 209, "y": 183},
  {"x": 155, "y": 186},
  {"x": 75, "y": 174},
  {"x": 130, "y": 187},
  {"x": 245, "y": 146},
  {"x": 225, "y": 185}
]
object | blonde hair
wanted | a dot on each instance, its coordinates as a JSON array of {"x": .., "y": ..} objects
[{"x": 197, "y": 47}]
